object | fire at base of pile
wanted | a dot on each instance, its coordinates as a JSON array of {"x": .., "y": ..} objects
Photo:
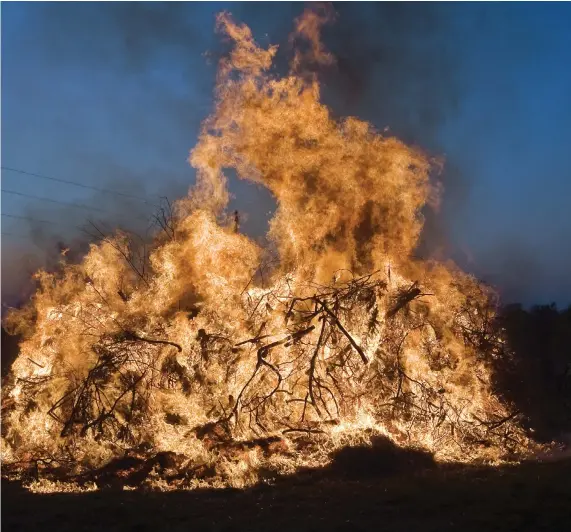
[
  {"x": 207, "y": 359},
  {"x": 183, "y": 407}
]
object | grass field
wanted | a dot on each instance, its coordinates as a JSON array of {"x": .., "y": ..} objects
[{"x": 532, "y": 496}]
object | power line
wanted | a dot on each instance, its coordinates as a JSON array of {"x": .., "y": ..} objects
[
  {"x": 65, "y": 203},
  {"x": 74, "y": 183},
  {"x": 50, "y": 200},
  {"x": 30, "y": 219},
  {"x": 17, "y": 217}
]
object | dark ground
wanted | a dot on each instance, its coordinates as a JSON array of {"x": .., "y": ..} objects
[
  {"x": 533, "y": 496},
  {"x": 364, "y": 492}
]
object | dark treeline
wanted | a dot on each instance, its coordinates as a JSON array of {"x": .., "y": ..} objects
[{"x": 535, "y": 379}]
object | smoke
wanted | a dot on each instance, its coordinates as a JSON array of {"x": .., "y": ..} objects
[
  {"x": 146, "y": 74},
  {"x": 393, "y": 67},
  {"x": 114, "y": 51},
  {"x": 47, "y": 235}
]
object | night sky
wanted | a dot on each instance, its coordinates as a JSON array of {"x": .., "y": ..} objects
[{"x": 112, "y": 95}]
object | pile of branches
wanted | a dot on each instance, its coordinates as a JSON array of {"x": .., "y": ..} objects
[
  {"x": 341, "y": 351},
  {"x": 331, "y": 379}
]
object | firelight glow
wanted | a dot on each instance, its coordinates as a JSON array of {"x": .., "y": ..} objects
[{"x": 243, "y": 359}]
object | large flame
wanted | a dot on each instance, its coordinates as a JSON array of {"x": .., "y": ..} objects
[{"x": 210, "y": 339}]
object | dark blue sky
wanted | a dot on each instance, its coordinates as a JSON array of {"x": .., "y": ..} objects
[{"x": 111, "y": 95}]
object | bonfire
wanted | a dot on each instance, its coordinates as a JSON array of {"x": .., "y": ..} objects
[{"x": 207, "y": 358}]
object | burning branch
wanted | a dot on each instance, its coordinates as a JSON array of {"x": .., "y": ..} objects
[{"x": 344, "y": 331}]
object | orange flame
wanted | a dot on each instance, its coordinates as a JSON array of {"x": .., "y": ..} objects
[{"x": 210, "y": 339}]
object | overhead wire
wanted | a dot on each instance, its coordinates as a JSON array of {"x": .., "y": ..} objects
[
  {"x": 28, "y": 218},
  {"x": 37, "y": 220},
  {"x": 50, "y": 200},
  {"x": 63, "y": 203},
  {"x": 75, "y": 183}
]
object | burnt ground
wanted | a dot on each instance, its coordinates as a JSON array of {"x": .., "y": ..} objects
[{"x": 532, "y": 496}]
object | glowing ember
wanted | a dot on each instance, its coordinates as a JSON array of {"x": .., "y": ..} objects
[{"x": 241, "y": 359}]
